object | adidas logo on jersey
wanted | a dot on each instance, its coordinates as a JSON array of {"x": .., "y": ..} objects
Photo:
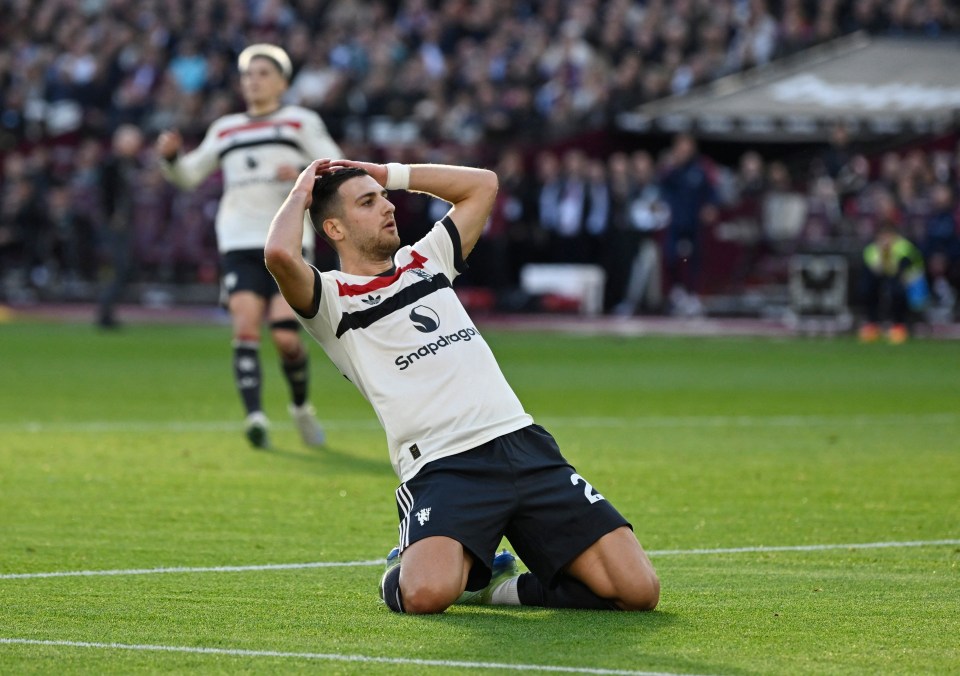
[{"x": 371, "y": 299}]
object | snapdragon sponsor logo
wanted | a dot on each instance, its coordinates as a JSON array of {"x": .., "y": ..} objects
[{"x": 405, "y": 361}]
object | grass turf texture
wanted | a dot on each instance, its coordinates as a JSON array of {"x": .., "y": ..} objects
[{"x": 125, "y": 451}]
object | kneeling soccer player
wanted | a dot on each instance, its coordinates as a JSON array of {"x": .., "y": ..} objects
[{"x": 474, "y": 467}]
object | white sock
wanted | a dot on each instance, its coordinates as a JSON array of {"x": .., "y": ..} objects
[{"x": 505, "y": 593}]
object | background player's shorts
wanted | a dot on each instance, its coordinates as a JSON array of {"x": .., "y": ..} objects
[
  {"x": 518, "y": 485},
  {"x": 244, "y": 270}
]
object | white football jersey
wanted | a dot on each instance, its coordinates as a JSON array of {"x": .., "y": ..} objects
[
  {"x": 408, "y": 344},
  {"x": 249, "y": 150}
]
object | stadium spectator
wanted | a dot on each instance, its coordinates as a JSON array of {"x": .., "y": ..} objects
[
  {"x": 549, "y": 187},
  {"x": 457, "y": 434},
  {"x": 647, "y": 215},
  {"x": 485, "y": 76},
  {"x": 941, "y": 250},
  {"x": 259, "y": 151},
  {"x": 72, "y": 231},
  {"x": 596, "y": 217}
]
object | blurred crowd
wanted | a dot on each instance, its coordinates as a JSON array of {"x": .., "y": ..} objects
[{"x": 503, "y": 84}]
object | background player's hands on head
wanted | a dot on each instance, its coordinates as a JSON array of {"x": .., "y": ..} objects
[
  {"x": 169, "y": 143},
  {"x": 287, "y": 172}
]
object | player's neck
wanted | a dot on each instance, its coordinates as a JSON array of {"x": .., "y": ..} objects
[
  {"x": 364, "y": 267},
  {"x": 263, "y": 108}
]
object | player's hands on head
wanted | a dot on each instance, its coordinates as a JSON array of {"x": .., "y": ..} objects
[
  {"x": 325, "y": 165},
  {"x": 377, "y": 171}
]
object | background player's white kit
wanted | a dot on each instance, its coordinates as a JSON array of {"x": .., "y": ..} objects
[{"x": 250, "y": 150}]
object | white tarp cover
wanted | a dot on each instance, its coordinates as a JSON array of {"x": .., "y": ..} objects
[{"x": 878, "y": 85}]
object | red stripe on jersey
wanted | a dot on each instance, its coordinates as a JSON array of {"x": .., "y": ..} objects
[
  {"x": 381, "y": 282},
  {"x": 259, "y": 125}
]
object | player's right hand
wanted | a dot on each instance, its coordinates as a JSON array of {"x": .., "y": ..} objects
[
  {"x": 308, "y": 177},
  {"x": 168, "y": 144}
]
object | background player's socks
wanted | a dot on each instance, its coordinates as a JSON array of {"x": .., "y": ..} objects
[
  {"x": 569, "y": 593},
  {"x": 246, "y": 373},
  {"x": 297, "y": 374}
]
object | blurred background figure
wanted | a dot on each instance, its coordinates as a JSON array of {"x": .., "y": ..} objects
[
  {"x": 689, "y": 193},
  {"x": 941, "y": 250},
  {"x": 118, "y": 184},
  {"x": 648, "y": 214},
  {"x": 893, "y": 285}
]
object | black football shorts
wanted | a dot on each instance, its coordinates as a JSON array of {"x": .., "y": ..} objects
[
  {"x": 244, "y": 270},
  {"x": 518, "y": 486}
]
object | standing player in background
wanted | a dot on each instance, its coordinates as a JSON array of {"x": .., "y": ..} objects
[
  {"x": 260, "y": 152},
  {"x": 474, "y": 467}
]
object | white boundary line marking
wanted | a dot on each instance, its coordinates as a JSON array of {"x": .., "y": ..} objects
[
  {"x": 856, "y": 420},
  {"x": 806, "y": 548},
  {"x": 379, "y": 562},
  {"x": 239, "y": 652},
  {"x": 194, "y": 569}
]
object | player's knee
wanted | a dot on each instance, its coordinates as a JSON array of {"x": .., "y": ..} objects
[
  {"x": 642, "y": 594},
  {"x": 288, "y": 345},
  {"x": 422, "y": 598}
]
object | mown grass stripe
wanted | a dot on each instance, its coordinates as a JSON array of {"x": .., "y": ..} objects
[
  {"x": 379, "y": 562},
  {"x": 611, "y": 422}
]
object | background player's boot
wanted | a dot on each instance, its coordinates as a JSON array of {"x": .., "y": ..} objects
[
  {"x": 256, "y": 430},
  {"x": 305, "y": 418},
  {"x": 504, "y": 567},
  {"x": 393, "y": 560}
]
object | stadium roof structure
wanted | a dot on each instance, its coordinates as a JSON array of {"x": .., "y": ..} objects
[{"x": 878, "y": 86}]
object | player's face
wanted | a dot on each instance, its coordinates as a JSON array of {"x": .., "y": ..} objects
[
  {"x": 262, "y": 82},
  {"x": 368, "y": 218}
]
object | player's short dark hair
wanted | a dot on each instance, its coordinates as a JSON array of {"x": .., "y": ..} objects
[{"x": 326, "y": 198}]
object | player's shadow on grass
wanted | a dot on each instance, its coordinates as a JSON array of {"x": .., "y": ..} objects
[
  {"x": 567, "y": 629},
  {"x": 329, "y": 458}
]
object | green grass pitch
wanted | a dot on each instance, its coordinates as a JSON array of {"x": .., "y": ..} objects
[{"x": 124, "y": 452}]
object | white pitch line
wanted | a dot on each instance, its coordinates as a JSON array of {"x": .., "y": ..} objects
[
  {"x": 379, "y": 562},
  {"x": 600, "y": 422},
  {"x": 193, "y": 569},
  {"x": 804, "y": 548},
  {"x": 334, "y": 657}
]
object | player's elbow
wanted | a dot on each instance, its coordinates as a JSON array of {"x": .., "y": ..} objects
[
  {"x": 278, "y": 258},
  {"x": 488, "y": 184}
]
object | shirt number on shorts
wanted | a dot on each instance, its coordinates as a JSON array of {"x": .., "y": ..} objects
[{"x": 588, "y": 491}]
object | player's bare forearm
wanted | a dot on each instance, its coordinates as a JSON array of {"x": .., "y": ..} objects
[
  {"x": 454, "y": 184},
  {"x": 283, "y": 249},
  {"x": 471, "y": 191}
]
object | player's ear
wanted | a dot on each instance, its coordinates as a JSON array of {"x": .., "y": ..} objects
[{"x": 333, "y": 228}]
